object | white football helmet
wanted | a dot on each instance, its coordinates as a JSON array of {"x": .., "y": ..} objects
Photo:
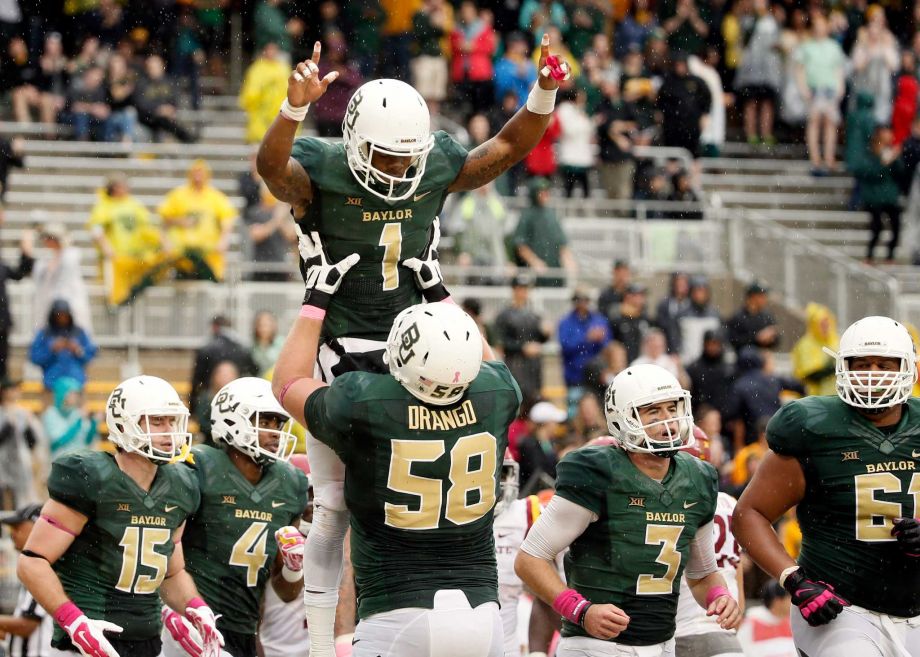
[
  {"x": 639, "y": 386},
  {"x": 235, "y": 412},
  {"x": 510, "y": 483},
  {"x": 875, "y": 336},
  {"x": 434, "y": 350},
  {"x": 129, "y": 409},
  {"x": 389, "y": 117}
]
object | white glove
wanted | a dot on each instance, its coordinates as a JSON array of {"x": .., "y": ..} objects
[
  {"x": 182, "y": 632},
  {"x": 321, "y": 277},
  {"x": 204, "y": 621},
  {"x": 427, "y": 269}
]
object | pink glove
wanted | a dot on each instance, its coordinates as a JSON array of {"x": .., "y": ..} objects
[
  {"x": 205, "y": 622},
  {"x": 290, "y": 542},
  {"x": 343, "y": 645},
  {"x": 87, "y": 635},
  {"x": 182, "y": 632}
]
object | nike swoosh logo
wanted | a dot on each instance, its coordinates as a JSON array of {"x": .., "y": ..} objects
[
  {"x": 275, "y": 505},
  {"x": 687, "y": 505},
  {"x": 504, "y": 535},
  {"x": 419, "y": 197},
  {"x": 170, "y": 508},
  {"x": 915, "y": 454}
]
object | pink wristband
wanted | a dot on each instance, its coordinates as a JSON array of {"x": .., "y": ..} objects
[
  {"x": 716, "y": 592},
  {"x": 312, "y": 312},
  {"x": 195, "y": 603},
  {"x": 285, "y": 389},
  {"x": 57, "y": 525},
  {"x": 571, "y": 605},
  {"x": 67, "y": 613},
  {"x": 449, "y": 300}
]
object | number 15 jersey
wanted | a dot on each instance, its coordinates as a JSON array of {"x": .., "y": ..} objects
[{"x": 420, "y": 481}]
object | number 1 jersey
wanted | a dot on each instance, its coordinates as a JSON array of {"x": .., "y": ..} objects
[{"x": 352, "y": 220}]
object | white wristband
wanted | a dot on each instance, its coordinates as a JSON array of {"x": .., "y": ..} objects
[
  {"x": 541, "y": 101},
  {"x": 291, "y": 575},
  {"x": 788, "y": 571},
  {"x": 294, "y": 113}
]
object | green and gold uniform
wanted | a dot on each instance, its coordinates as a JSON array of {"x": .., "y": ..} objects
[
  {"x": 421, "y": 482},
  {"x": 229, "y": 541},
  {"x": 114, "y": 568},
  {"x": 352, "y": 220},
  {"x": 858, "y": 478},
  {"x": 633, "y": 555}
]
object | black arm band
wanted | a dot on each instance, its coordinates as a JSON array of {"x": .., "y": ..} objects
[{"x": 34, "y": 555}]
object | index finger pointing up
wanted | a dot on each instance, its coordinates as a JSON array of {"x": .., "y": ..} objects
[
  {"x": 544, "y": 46},
  {"x": 317, "y": 48}
]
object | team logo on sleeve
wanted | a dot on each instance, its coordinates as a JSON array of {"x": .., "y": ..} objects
[
  {"x": 850, "y": 455},
  {"x": 637, "y": 501}
]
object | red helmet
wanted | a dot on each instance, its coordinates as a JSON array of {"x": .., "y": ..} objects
[{"x": 701, "y": 449}]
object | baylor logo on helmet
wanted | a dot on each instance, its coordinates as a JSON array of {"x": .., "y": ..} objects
[
  {"x": 225, "y": 403},
  {"x": 352, "y": 113},
  {"x": 407, "y": 343},
  {"x": 117, "y": 402}
]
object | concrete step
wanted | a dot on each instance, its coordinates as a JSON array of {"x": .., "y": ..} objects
[
  {"x": 80, "y": 200},
  {"x": 148, "y": 184},
  {"x": 792, "y": 182},
  {"x": 783, "y": 200}
]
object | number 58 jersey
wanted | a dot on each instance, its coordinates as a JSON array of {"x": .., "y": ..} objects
[
  {"x": 421, "y": 482},
  {"x": 858, "y": 479},
  {"x": 114, "y": 568},
  {"x": 352, "y": 220}
]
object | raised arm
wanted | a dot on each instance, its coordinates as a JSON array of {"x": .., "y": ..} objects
[
  {"x": 517, "y": 138},
  {"x": 284, "y": 176}
]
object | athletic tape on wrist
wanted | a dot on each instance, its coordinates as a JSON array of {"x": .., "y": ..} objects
[
  {"x": 541, "y": 101},
  {"x": 716, "y": 592},
  {"x": 783, "y": 575},
  {"x": 291, "y": 575},
  {"x": 298, "y": 114}
]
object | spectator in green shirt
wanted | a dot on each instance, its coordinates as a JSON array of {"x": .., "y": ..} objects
[{"x": 539, "y": 241}]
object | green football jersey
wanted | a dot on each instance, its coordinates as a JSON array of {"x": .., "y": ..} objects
[
  {"x": 229, "y": 541},
  {"x": 114, "y": 568},
  {"x": 421, "y": 482},
  {"x": 857, "y": 480},
  {"x": 352, "y": 220},
  {"x": 633, "y": 555}
]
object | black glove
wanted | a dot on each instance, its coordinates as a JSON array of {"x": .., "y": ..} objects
[
  {"x": 907, "y": 531},
  {"x": 322, "y": 277},
  {"x": 427, "y": 268},
  {"x": 816, "y": 600}
]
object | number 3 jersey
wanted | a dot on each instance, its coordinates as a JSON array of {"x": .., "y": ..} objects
[
  {"x": 114, "y": 568},
  {"x": 858, "y": 479},
  {"x": 633, "y": 555},
  {"x": 420, "y": 481},
  {"x": 229, "y": 541},
  {"x": 352, "y": 220}
]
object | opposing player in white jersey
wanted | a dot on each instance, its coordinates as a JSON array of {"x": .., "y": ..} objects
[
  {"x": 513, "y": 518},
  {"x": 283, "y": 631},
  {"x": 697, "y": 634}
]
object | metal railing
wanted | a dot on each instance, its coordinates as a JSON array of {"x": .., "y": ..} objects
[{"x": 801, "y": 269}]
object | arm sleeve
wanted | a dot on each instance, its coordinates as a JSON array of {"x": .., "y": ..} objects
[
  {"x": 557, "y": 528},
  {"x": 582, "y": 479},
  {"x": 702, "y": 560},
  {"x": 72, "y": 484}
]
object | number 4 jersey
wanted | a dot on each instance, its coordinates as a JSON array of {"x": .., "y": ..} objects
[
  {"x": 858, "y": 479},
  {"x": 114, "y": 568},
  {"x": 633, "y": 555},
  {"x": 229, "y": 541},
  {"x": 420, "y": 481},
  {"x": 352, "y": 220}
]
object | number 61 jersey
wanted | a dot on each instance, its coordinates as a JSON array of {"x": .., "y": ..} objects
[
  {"x": 421, "y": 482},
  {"x": 114, "y": 568},
  {"x": 858, "y": 479},
  {"x": 352, "y": 220}
]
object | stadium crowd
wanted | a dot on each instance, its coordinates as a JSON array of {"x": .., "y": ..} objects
[{"x": 670, "y": 73}]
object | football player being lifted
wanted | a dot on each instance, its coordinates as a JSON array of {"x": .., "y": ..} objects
[
  {"x": 636, "y": 516},
  {"x": 376, "y": 194},
  {"x": 107, "y": 547},
  {"x": 423, "y": 447},
  {"x": 849, "y": 463},
  {"x": 250, "y": 498}
]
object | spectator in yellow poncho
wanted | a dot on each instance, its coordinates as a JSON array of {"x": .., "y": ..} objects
[
  {"x": 264, "y": 89},
  {"x": 810, "y": 364},
  {"x": 129, "y": 244},
  {"x": 198, "y": 220},
  {"x": 915, "y": 336}
]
